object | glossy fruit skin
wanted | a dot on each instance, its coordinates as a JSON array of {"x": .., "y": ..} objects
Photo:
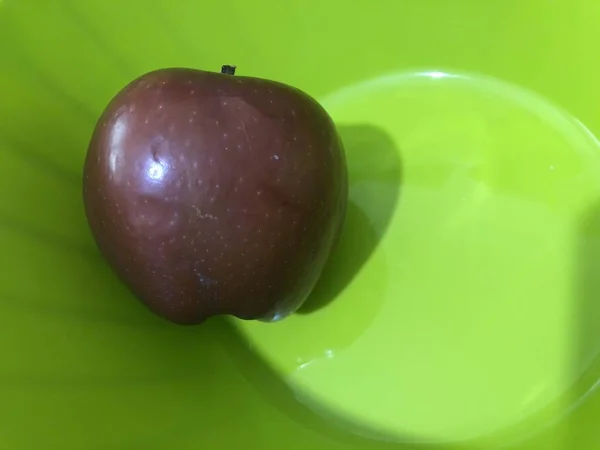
[{"x": 215, "y": 194}]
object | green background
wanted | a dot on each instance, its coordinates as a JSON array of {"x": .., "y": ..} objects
[{"x": 83, "y": 365}]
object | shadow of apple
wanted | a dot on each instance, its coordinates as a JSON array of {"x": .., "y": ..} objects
[{"x": 375, "y": 173}]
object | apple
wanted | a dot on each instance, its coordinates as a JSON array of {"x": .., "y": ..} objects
[{"x": 211, "y": 193}]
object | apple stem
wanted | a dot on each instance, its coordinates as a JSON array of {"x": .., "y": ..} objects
[{"x": 228, "y": 70}]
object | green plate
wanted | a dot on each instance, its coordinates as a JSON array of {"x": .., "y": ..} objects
[{"x": 460, "y": 309}]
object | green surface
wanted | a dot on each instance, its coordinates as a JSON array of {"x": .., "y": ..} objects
[{"x": 461, "y": 308}]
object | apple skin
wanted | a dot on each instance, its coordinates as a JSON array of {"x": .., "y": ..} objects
[{"x": 210, "y": 193}]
